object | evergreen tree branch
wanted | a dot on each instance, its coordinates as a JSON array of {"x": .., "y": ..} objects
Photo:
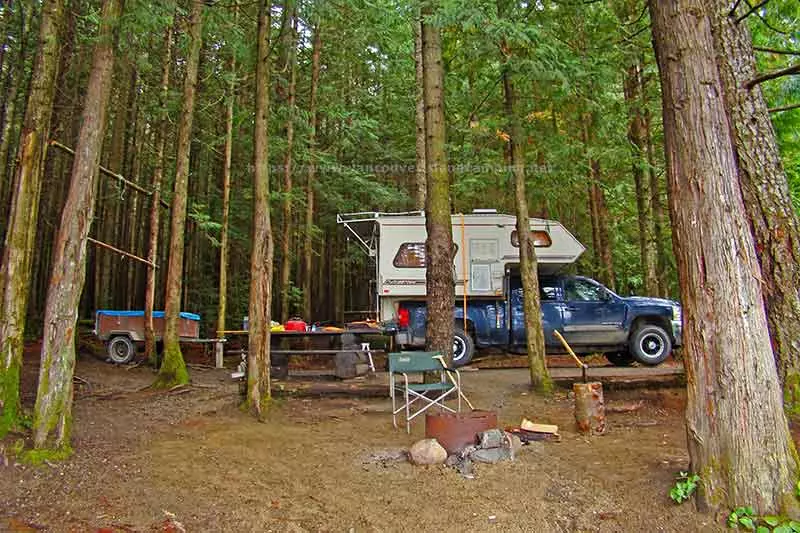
[
  {"x": 777, "y": 51},
  {"x": 784, "y": 108},
  {"x": 752, "y": 10},
  {"x": 794, "y": 69}
]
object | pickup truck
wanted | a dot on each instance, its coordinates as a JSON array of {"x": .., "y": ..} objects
[{"x": 591, "y": 317}]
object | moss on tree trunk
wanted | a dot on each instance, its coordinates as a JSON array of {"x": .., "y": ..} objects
[
  {"x": 438, "y": 222},
  {"x": 15, "y": 273},
  {"x": 52, "y": 423},
  {"x": 540, "y": 377},
  {"x": 173, "y": 368}
]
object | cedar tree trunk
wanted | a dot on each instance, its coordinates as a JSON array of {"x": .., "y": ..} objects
[
  {"x": 15, "y": 273},
  {"x": 420, "y": 181},
  {"x": 258, "y": 378},
  {"x": 308, "y": 243},
  {"x": 739, "y": 441},
  {"x": 766, "y": 195},
  {"x": 439, "y": 244},
  {"x": 155, "y": 200},
  {"x": 540, "y": 377},
  {"x": 52, "y": 422},
  {"x": 173, "y": 369}
]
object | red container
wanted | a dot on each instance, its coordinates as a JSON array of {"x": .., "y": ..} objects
[
  {"x": 295, "y": 324},
  {"x": 455, "y": 431}
]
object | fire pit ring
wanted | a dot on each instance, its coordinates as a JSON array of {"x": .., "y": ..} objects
[{"x": 455, "y": 431}]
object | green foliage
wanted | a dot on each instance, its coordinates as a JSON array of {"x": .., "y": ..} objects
[
  {"x": 684, "y": 487},
  {"x": 746, "y": 519}
]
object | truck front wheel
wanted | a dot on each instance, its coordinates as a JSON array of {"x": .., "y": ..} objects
[
  {"x": 121, "y": 350},
  {"x": 650, "y": 344},
  {"x": 463, "y": 348}
]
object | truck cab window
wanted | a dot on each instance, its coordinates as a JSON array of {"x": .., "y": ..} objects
[
  {"x": 548, "y": 292},
  {"x": 578, "y": 290}
]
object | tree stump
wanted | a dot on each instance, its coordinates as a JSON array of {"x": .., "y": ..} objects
[{"x": 590, "y": 410}]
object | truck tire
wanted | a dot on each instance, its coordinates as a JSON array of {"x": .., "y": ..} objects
[
  {"x": 463, "y": 348},
  {"x": 121, "y": 350},
  {"x": 650, "y": 344}
]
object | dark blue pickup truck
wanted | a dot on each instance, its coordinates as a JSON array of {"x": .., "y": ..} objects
[{"x": 591, "y": 318}]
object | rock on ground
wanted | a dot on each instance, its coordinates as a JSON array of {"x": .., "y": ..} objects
[{"x": 427, "y": 452}]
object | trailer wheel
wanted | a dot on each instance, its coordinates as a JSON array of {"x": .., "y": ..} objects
[
  {"x": 121, "y": 350},
  {"x": 463, "y": 348}
]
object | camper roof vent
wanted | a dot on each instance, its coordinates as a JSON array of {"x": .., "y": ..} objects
[{"x": 484, "y": 211}]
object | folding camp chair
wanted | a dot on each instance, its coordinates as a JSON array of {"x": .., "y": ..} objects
[{"x": 429, "y": 394}]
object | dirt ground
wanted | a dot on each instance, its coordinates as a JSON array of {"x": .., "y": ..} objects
[{"x": 310, "y": 466}]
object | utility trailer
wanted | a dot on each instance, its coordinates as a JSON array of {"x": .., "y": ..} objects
[
  {"x": 121, "y": 330},
  {"x": 489, "y": 307}
]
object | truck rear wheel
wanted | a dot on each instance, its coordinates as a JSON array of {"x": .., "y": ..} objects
[
  {"x": 463, "y": 348},
  {"x": 121, "y": 350},
  {"x": 650, "y": 344}
]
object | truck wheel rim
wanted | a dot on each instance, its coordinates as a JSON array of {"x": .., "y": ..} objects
[
  {"x": 459, "y": 349},
  {"x": 652, "y": 346}
]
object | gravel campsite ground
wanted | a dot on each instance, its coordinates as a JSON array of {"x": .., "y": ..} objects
[{"x": 313, "y": 465}]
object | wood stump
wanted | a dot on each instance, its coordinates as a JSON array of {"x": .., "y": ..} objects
[{"x": 590, "y": 409}]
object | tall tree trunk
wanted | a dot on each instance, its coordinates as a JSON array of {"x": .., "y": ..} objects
[
  {"x": 739, "y": 441},
  {"x": 52, "y": 422},
  {"x": 766, "y": 195},
  {"x": 222, "y": 305},
  {"x": 656, "y": 206},
  {"x": 308, "y": 247},
  {"x": 155, "y": 199},
  {"x": 286, "y": 240},
  {"x": 529, "y": 269},
  {"x": 604, "y": 238},
  {"x": 15, "y": 273},
  {"x": 173, "y": 368},
  {"x": 258, "y": 376},
  {"x": 132, "y": 207},
  {"x": 631, "y": 87},
  {"x": 420, "y": 188},
  {"x": 16, "y": 75},
  {"x": 439, "y": 244}
]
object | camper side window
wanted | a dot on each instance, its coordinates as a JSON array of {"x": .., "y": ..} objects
[
  {"x": 410, "y": 255},
  {"x": 541, "y": 239}
]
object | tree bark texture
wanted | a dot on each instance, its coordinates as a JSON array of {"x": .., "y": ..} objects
[
  {"x": 258, "y": 357},
  {"x": 308, "y": 242},
  {"x": 286, "y": 241},
  {"x": 600, "y": 209},
  {"x": 765, "y": 190},
  {"x": 15, "y": 273},
  {"x": 222, "y": 290},
  {"x": 173, "y": 368},
  {"x": 656, "y": 207},
  {"x": 738, "y": 437},
  {"x": 53, "y": 413},
  {"x": 155, "y": 199},
  {"x": 529, "y": 270},
  {"x": 439, "y": 243},
  {"x": 420, "y": 190}
]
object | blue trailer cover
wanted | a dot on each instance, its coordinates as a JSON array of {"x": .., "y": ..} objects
[{"x": 156, "y": 314}]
